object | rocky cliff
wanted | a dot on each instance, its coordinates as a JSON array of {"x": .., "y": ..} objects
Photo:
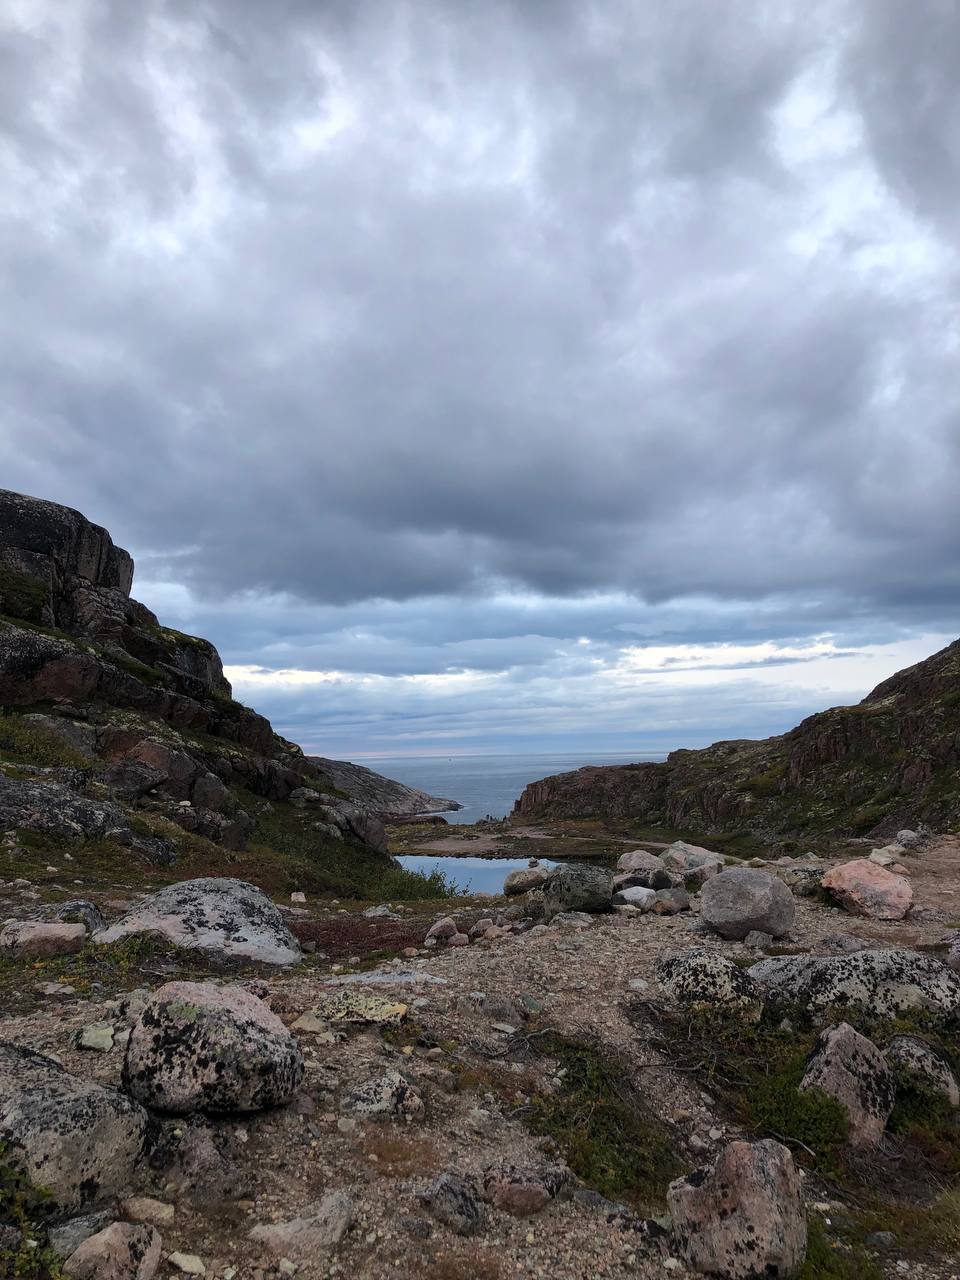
[
  {"x": 893, "y": 760},
  {"x": 380, "y": 795},
  {"x": 105, "y": 711}
]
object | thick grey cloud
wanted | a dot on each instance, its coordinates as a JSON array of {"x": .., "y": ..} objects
[{"x": 360, "y": 319}]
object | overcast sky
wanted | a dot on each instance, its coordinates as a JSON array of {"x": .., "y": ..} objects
[{"x": 518, "y": 375}]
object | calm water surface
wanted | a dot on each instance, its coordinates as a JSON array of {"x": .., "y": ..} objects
[{"x": 490, "y": 784}]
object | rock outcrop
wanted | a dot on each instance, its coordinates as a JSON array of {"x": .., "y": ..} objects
[
  {"x": 874, "y": 768},
  {"x": 382, "y": 796},
  {"x": 143, "y": 712}
]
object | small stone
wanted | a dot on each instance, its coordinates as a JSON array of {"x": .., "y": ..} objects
[
  {"x": 156, "y": 1213},
  {"x": 121, "y": 1251},
  {"x": 188, "y": 1263},
  {"x": 298, "y": 896},
  {"x": 97, "y": 1036},
  {"x": 452, "y": 1200},
  {"x": 37, "y": 938}
]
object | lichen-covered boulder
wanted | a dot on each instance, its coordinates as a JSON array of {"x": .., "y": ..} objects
[
  {"x": 577, "y": 887},
  {"x": 850, "y": 1068},
  {"x": 524, "y": 879},
  {"x": 912, "y": 1056},
  {"x": 705, "y": 978},
  {"x": 744, "y": 1217},
  {"x": 81, "y": 1141},
  {"x": 884, "y": 983},
  {"x": 452, "y": 1199},
  {"x": 122, "y": 1251},
  {"x": 694, "y": 864},
  {"x": 213, "y": 914},
  {"x": 743, "y": 899},
  {"x": 865, "y": 889},
  {"x": 389, "y": 1096},
  {"x": 199, "y": 1047}
]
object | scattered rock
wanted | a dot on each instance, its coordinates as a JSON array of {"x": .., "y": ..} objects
[
  {"x": 155, "y": 1213},
  {"x": 96, "y": 1036},
  {"x": 864, "y": 889},
  {"x": 454, "y": 1202},
  {"x": 669, "y": 902},
  {"x": 382, "y": 912},
  {"x": 216, "y": 914},
  {"x": 122, "y": 1251},
  {"x": 908, "y": 839},
  {"x": 742, "y": 900},
  {"x": 643, "y": 869},
  {"x": 575, "y": 887},
  {"x": 37, "y": 939},
  {"x": 442, "y": 930},
  {"x": 573, "y": 920},
  {"x": 742, "y": 1218},
  {"x": 705, "y": 978},
  {"x": 81, "y": 1141},
  {"x": 523, "y": 1192},
  {"x": 198, "y": 1047},
  {"x": 884, "y": 983},
  {"x": 359, "y": 1007},
  {"x": 387, "y": 1095},
  {"x": 694, "y": 864},
  {"x": 847, "y": 1066},
  {"x": 188, "y": 1263},
  {"x": 916, "y": 1057},
  {"x": 68, "y": 1236},
  {"x": 635, "y": 896},
  {"x": 317, "y": 1231},
  {"x": 525, "y": 879},
  {"x": 758, "y": 940}
]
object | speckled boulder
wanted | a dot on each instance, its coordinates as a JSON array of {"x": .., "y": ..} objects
[
  {"x": 452, "y": 1200},
  {"x": 577, "y": 888},
  {"x": 911, "y": 1056},
  {"x": 41, "y": 938},
  {"x": 198, "y": 1047},
  {"x": 743, "y": 899},
  {"x": 847, "y": 1066},
  {"x": 883, "y": 983},
  {"x": 213, "y": 914},
  {"x": 705, "y": 978},
  {"x": 80, "y": 1140},
  {"x": 388, "y": 1096},
  {"x": 122, "y": 1251},
  {"x": 865, "y": 889},
  {"x": 744, "y": 1217}
]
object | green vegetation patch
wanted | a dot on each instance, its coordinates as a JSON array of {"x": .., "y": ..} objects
[
  {"x": 600, "y": 1123},
  {"x": 21, "y": 597},
  {"x": 834, "y": 1260},
  {"x": 25, "y": 743},
  {"x": 22, "y": 1206}
]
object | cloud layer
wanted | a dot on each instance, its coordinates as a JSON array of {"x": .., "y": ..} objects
[{"x": 412, "y": 339}]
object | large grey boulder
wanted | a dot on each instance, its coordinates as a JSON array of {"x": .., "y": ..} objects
[
  {"x": 698, "y": 977},
  {"x": 884, "y": 983},
  {"x": 228, "y": 916},
  {"x": 81, "y": 1141},
  {"x": 577, "y": 888},
  {"x": 742, "y": 900},
  {"x": 744, "y": 1217},
  {"x": 850, "y": 1068},
  {"x": 198, "y": 1047},
  {"x": 695, "y": 864}
]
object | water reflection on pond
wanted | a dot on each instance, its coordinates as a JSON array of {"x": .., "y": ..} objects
[{"x": 477, "y": 875}]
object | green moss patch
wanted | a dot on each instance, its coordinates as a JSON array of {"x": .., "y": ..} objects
[
  {"x": 26, "y": 743},
  {"x": 21, "y": 597}
]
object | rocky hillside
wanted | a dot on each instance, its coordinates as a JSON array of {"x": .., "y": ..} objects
[
  {"x": 115, "y": 727},
  {"x": 382, "y": 796},
  {"x": 893, "y": 760}
]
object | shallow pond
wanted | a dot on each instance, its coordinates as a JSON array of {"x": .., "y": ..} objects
[{"x": 477, "y": 875}]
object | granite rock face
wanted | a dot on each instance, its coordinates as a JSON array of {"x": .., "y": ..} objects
[
  {"x": 706, "y": 978},
  {"x": 216, "y": 914},
  {"x": 382, "y": 796},
  {"x": 81, "y": 1141},
  {"x": 743, "y": 1218},
  {"x": 199, "y": 1047}
]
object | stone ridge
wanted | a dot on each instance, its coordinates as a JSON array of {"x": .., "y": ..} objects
[
  {"x": 382, "y": 795},
  {"x": 870, "y": 769}
]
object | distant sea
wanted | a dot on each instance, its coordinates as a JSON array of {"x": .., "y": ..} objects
[{"x": 489, "y": 784}]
